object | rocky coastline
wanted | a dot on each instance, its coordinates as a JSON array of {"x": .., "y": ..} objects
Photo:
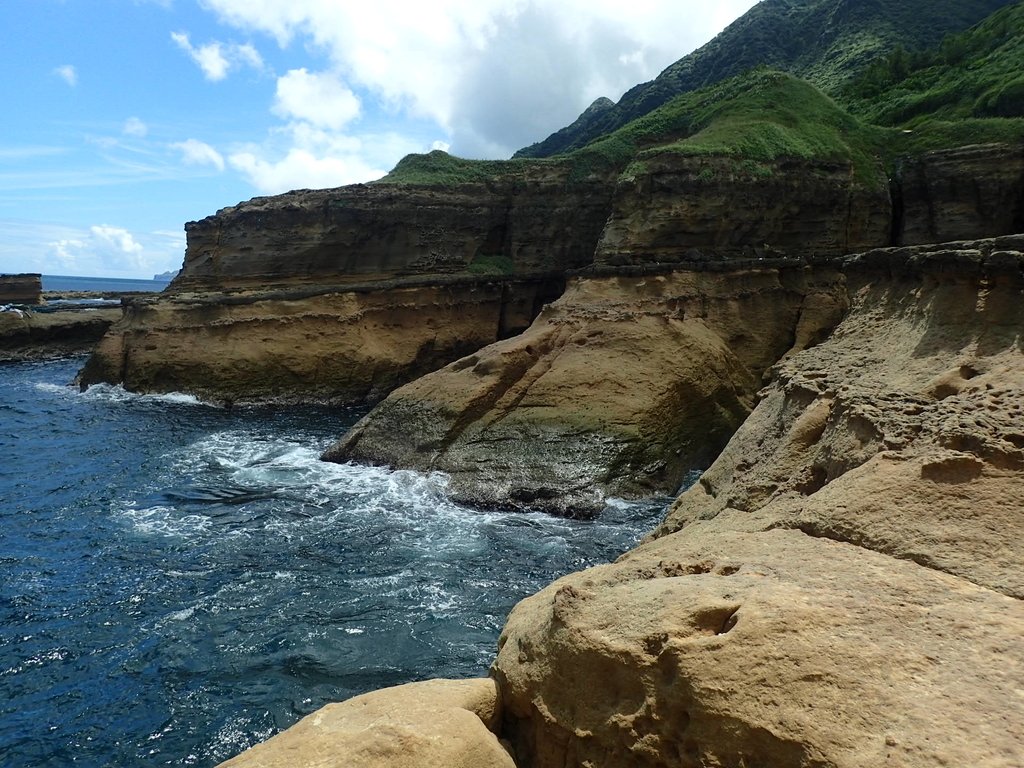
[
  {"x": 840, "y": 588},
  {"x": 840, "y": 351},
  {"x": 42, "y": 330}
]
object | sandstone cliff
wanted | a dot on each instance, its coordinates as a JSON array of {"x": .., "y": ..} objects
[
  {"x": 345, "y": 294},
  {"x": 21, "y": 289},
  {"x": 351, "y": 344},
  {"x": 31, "y": 335},
  {"x": 842, "y": 587},
  {"x": 965, "y": 193},
  {"x": 532, "y": 222},
  {"x": 670, "y": 207},
  {"x": 622, "y": 386}
]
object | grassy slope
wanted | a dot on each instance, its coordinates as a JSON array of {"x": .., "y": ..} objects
[
  {"x": 949, "y": 94},
  {"x": 825, "y": 41},
  {"x": 758, "y": 116}
]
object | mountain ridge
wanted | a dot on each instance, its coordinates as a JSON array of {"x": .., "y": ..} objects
[{"x": 845, "y": 37}]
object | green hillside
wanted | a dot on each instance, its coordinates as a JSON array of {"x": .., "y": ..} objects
[
  {"x": 967, "y": 89},
  {"x": 975, "y": 74},
  {"x": 827, "y": 42},
  {"x": 758, "y": 116}
]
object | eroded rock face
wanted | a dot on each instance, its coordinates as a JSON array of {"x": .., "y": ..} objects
[
  {"x": 675, "y": 207},
  {"x": 433, "y": 724},
  {"x": 621, "y": 386},
  {"x": 24, "y": 288},
  {"x": 904, "y": 432},
  {"x": 380, "y": 231},
  {"x": 842, "y": 587},
  {"x": 37, "y": 335},
  {"x": 344, "y": 346},
  {"x": 345, "y": 294},
  {"x": 964, "y": 193}
]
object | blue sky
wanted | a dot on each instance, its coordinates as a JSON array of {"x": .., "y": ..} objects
[{"x": 126, "y": 118}]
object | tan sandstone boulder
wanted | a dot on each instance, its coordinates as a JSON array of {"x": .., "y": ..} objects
[
  {"x": 620, "y": 387},
  {"x": 721, "y": 648},
  {"x": 843, "y": 586},
  {"x": 432, "y": 724}
]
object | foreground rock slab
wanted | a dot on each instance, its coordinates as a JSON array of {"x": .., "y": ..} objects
[
  {"x": 433, "y": 724},
  {"x": 843, "y": 586},
  {"x": 725, "y": 648}
]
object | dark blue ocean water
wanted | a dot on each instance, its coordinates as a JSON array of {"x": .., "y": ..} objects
[
  {"x": 179, "y": 581},
  {"x": 72, "y": 283}
]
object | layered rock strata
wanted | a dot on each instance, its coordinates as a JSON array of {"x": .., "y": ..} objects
[
  {"x": 24, "y": 288},
  {"x": 533, "y": 224},
  {"x": 904, "y": 432},
  {"x": 671, "y": 207},
  {"x": 345, "y": 294},
  {"x": 621, "y": 386},
  {"x": 964, "y": 193},
  {"x": 30, "y": 335},
  {"x": 537, "y": 221},
  {"x": 350, "y": 344}
]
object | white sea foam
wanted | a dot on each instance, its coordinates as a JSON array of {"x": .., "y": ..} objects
[
  {"x": 115, "y": 393},
  {"x": 166, "y": 521}
]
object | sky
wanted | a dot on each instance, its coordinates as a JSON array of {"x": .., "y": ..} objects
[{"x": 124, "y": 119}]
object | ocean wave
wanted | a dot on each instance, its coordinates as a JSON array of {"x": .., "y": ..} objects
[{"x": 115, "y": 393}]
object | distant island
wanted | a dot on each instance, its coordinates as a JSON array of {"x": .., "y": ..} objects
[{"x": 166, "y": 277}]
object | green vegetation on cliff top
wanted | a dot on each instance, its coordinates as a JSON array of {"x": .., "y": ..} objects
[
  {"x": 967, "y": 90},
  {"x": 827, "y": 42}
]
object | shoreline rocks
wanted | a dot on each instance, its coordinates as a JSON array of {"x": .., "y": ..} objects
[
  {"x": 621, "y": 387},
  {"x": 842, "y": 586},
  {"x": 26, "y": 288},
  {"x": 318, "y": 344},
  {"x": 33, "y": 335},
  {"x": 432, "y": 724}
]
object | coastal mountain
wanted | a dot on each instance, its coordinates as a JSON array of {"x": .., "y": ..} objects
[{"x": 827, "y": 42}]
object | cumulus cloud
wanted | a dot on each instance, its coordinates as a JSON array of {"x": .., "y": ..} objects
[
  {"x": 195, "y": 152},
  {"x": 67, "y": 73},
  {"x": 320, "y": 99},
  {"x": 103, "y": 249},
  {"x": 216, "y": 59},
  {"x": 301, "y": 156},
  {"x": 494, "y": 74},
  {"x": 133, "y": 126}
]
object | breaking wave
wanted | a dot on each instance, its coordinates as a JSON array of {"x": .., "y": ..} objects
[{"x": 182, "y": 581}]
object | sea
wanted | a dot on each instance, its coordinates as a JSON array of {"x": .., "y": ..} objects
[
  {"x": 100, "y": 284},
  {"x": 179, "y": 581}
]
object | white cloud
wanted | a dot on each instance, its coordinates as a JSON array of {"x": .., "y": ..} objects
[
  {"x": 195, "y": 152},
  {"x": 102, "y": 250},
  {"x": 320, "y": 99},
  {"x": 216, "y": 59},
  {"x": 494, "y": 74},
  {"x": 302, "y": 156},
  {"x": 133, "y": 126},
  {"x": 67, "y": 73}
]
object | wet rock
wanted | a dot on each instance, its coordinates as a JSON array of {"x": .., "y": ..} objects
[{"x": 620, "y": 387}]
